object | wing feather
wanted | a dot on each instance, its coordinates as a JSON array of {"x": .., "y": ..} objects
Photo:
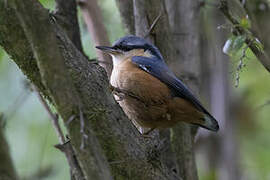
[{"x": 160, "y": 70}]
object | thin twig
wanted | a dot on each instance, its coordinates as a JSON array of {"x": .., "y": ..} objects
[
  {"x": 240, "y": 65},
  {"x": 84, "y": 135},
  {"x": 152, "y": 26},
  {"x": 70, "y": 119},
  {"x": 64, "y": 145},
  {"x": 260, "y": 107},
  {"x": 118, "y": 162},
  {"x": 53, "y": 117}
]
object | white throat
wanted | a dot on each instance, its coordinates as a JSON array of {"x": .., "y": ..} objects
[{"x": 119, "y": 58}]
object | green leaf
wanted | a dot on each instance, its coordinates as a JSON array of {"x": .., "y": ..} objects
[
  {"x": 245, "y": 23},
  {"x": 233, "y": 45}
]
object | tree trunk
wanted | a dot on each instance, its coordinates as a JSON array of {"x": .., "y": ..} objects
[
  {"x": 177, "y": 36},
  {"x": 184, "y": 22},
  {"x": 220, "y": 90},
  {"x": 94, "y": 20}
]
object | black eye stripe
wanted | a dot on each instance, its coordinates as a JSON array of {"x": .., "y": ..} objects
[
  {"x": 122, "y": 47},
  {"x": 125, "y": 47}
]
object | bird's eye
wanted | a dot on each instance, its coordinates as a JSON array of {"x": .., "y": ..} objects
[
  {"x": 123, "y": 48},
  {"x": 126, "y": 48}
]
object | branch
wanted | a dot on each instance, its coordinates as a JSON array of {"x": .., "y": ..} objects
[
  {"x": 141, "y": 22},
  {"x": 93, "y": 19},
  {"x": 64, "y": 145},
  {"x": 53, "y": 117},
  {"x": 41, "y": 35},
  {"x": 185, "y": 62},
  {"x": 17, "y": 46},
  {"x": 127, "y": 14},
  {"x": 66, "y": 15},
  {"x": 251, "y": 40},
  {"x": 152, "y": 26},
  {"x": 259, "y": 11}
]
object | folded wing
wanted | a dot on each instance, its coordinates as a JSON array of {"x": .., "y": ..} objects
[{"x": 160, "y": 70}]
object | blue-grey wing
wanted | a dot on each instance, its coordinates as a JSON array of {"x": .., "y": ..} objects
[{"x": 160, "y": 70}]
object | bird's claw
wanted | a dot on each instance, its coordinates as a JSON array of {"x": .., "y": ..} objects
[{"x": 120, "y": 96}]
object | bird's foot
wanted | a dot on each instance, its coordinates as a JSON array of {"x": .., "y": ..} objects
[
  {"x": 120, "y": 96},
  {"x": 117, "y": 92}
]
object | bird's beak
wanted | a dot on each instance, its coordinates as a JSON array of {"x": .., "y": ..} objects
[{"x": 108, "y": 49}]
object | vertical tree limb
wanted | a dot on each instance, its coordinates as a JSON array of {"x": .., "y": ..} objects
[
  {"x": 126, "y": 10},
  {"x": 140, "y": 18},
  {"x": 145, "y": 13},
  {"x": 184, "y": 23},
  {"x": 93, "y": 19},
  {"x": 66, "y": 14},
  {"x": 221, "y": 103}
]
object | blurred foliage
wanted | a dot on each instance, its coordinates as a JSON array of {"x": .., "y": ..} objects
[
  {"x": 245, "y": 23},
  {"x": 233, "y": 45},
  {"x": 253, "y": 121},
  {"x": 31, "y": 136},
  {"x": 254, "y": 145}
]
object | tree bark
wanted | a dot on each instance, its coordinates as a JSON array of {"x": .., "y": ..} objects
[
  {"x": 66, "y": 14},
  {"x": 184, "y": 23}
]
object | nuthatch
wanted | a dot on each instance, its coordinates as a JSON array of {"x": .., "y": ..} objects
[{"x": 154, "y": 97}]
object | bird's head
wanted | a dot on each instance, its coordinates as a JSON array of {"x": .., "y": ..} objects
[{"x": 129, "y": 46}]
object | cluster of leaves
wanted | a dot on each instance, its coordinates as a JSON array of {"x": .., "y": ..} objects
[{"x": 236, "y": 46}]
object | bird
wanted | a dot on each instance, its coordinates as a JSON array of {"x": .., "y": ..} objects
[{"x": 148, "y": 91}]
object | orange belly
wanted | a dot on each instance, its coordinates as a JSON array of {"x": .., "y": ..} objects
[{"x": 154, "y": 106}]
